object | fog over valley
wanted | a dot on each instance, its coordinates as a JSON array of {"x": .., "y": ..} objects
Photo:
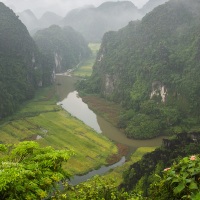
[
  {"x": 60, "y": 7},
  {"x": 91, "y": 19}
]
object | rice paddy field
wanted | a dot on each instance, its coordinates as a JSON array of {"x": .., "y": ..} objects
[
  {"x": 85, "y": 68},
  {"x": 42, "y": 120}
]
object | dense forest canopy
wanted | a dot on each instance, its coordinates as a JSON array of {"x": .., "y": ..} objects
[
  {"x": 20, "y": 67},
  {"x": 64, "y": 48},
  {"x": 152, "y": 67}
]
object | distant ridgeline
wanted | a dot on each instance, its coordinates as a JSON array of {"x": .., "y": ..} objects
[
  {"x": 152, "y": 68},
  {"x": 21, "y": 71},
  {"x": 62, "y": 48},
  {"x": 33, "y": 24},
  {"x": 93, "y": 22}
]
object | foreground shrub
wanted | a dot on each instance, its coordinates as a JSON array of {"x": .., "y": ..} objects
[
  {"x": 181, "y": 181},
  {"x": 28, "y": 171}
]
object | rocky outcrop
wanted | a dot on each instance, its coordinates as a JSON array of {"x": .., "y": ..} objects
[{"x": 158, "y": 89}]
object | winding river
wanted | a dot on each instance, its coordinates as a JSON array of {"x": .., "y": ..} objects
[{"x": 72, "y": 103}]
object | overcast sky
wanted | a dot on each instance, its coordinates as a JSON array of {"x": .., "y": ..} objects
[{"x": 58, "y": 6}]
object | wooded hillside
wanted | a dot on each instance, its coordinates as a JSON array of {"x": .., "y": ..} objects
[{"x": 151, "y": 67}]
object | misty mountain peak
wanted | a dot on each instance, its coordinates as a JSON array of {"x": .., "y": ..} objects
[
  {"x": 29, "y": 13},
  {"x": 93, "y": 22},
  {"x": 50, "y": 14},
  {"x": 151, "y": 4},
  {"x": 110, "y": 4},
  {"x": 29, "y": 19},
  {"x": 48, "y": 19}
]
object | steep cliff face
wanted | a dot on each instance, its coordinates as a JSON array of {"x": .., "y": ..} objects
[
  {"x": 151, "y": 67},
  {"x": 20, "y": 66},
  {"x": 64, "y": 48}
]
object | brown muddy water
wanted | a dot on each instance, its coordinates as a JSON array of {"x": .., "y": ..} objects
[{"x": 72, "y": 103}]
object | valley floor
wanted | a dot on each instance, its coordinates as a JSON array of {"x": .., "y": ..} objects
[
  {"x": 42, "y": 120},
  {"x": 111, "y": 111}
]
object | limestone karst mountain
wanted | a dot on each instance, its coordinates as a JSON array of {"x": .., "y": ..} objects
[
  {"x": 20, "y": 65},
  {"x": 93, "y": 22},
  {"x": 48, "y": 19},
  {"x": 152, "y": 67},
  {"x": 28, "y": 18},
  {"x": 151, "y": 4},
  {"x": 63, "y": 47}
]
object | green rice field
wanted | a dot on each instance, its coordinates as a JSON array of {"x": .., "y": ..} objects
[
  {"x": 85, "y": 68},
  {"x": 42, "y": 120}
]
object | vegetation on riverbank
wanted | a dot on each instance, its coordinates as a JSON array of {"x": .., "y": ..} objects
[
  {"x": 41, "y": 118},
  {"x": 151, "y": 67},
  {"x": 141, "y": 175},
  {"x": 85, "y": 68},
  {"x": 117, "y": 173},
  {"x": 111, "y": 111},
  {"x": 107, "y": 109}
]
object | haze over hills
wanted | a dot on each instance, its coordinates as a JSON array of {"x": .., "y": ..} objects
[
  {"x": 20, "y": 66},
  {"x": 23, "y": 67},
  {"x": 34, "y": 24},
  {"x": 48, "y": 19},
  {"x": 151, "y": 4},
  {"x": 92, "y": 22},
  {"x": 29, "y": 19},
  {"x": 63, "y": 48},
  {"x": 152, "y": 67}
]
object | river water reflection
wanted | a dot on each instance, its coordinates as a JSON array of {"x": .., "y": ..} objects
[
  {"x": 72, "y": 103},
  {"x": 76, "y": 107}
]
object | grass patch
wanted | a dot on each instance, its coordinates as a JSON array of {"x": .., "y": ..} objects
[
  {"x": 85, "y": 68},
  {"x": 41, "y": 116},
  {"x": 110, "y": 111}
]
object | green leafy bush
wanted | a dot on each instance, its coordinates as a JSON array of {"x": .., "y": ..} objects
[
  {"x": 181, "y": 181},
  {"x": 97, "y": 188},
  {"x": 28, "y": 171}
]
